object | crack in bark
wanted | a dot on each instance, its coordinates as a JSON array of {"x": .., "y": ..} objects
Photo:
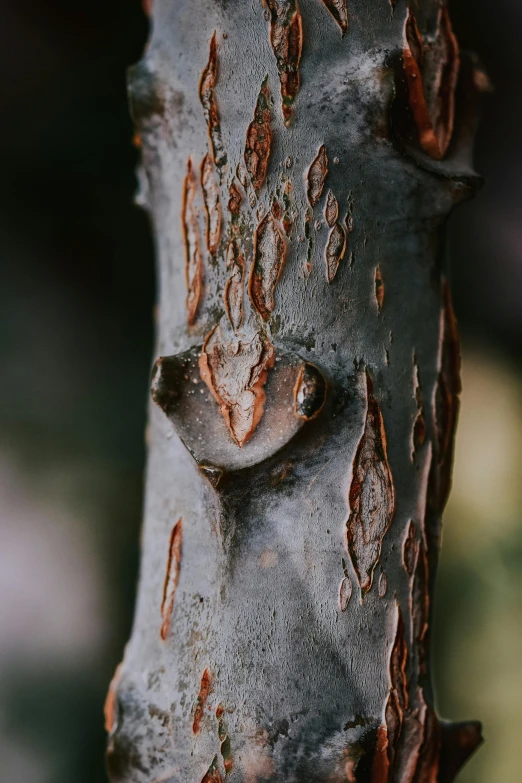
[
  {"x": 371, "y": 496},
  {"x": 286, "y": 38}
]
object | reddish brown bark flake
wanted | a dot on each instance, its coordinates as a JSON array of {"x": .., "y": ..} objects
[
  {"x": 435, "y": 63},
  {"x": 236, "y": 371},
  {"x": 379, "y": 288},
  {"x": 286, "y": 38},
  {"x": 171, "y": 578},
  {"x": 345, "y": 593},
  {"x": 371, "y": 496},
  {"x": 276, "y": 210},
  {"x": 208, "y": 101},
  {"x": 212, "y": 775},
  {"x": 316, "y": 176},
  {"x": 331, "y": 209},
  {"x": 339, "y": 12},
  {"x": 259, "y": 139},
  {"x": 309, "y": 392},
  {"x": 210, "y": 190},
  {"x": 235, "y": 199},
  {"x": 193, "y": 262},
  {"x": 111, "y": 701},
  {"x": 233, "y": 294},
  {"x": 269, "y": 259},
  {"x": 335, "y": 250},
  {"x": 201, "y": 702},
  {"x": 410, "y": 549}
]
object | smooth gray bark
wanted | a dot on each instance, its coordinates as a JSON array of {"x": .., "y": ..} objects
[{"x": 290, "y": 544}]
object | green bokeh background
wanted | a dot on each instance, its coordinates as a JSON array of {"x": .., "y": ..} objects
[{"x": 76, "y": 337}]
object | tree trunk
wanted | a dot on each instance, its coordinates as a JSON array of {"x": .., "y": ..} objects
[{"x": 300, "y": 159}]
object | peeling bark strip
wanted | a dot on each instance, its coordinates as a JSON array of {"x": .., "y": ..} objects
[
  {"x": 210, "y": 190},
  {"x": 431, "y": 68},
  {"x": 410, "y": 549},
  {"x": 259, "y": 139},
  {"x": 339, "y": 12},
  {"x": 345, "y": 593},
  {"x": 233, "y": 294},
  {"x": 201, "y": 702},
  {"x": 379, "y": 288},
  {"x": 335, "y": 250},
  {"x": 446, "y": 402},
  {"x": 286, "y": 38},
  {"x": 269, "y": 259},
  {"x": 208, "y": 101},
  {"x": 110, "y": 711},
  {"x": 419, "y": 425},
  {"x": 316, "y": 176},
  {"x": 235, "y": 200},
  {"x": 235, "y": 372},
  {"x": 171, "y": 578},
  {"x": 331, "y": 209},
  {"x": 420, "y": 603},
  {"x": 193, "y": 263},
  {"x": 309, "y": 392},
  {"x": 371, "y": 496}
]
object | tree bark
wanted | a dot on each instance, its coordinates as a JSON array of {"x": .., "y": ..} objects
[{"x": 300, "y": 160}]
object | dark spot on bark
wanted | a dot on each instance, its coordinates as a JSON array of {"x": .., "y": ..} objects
[
  {"x": 309, "y": 392},
  {"x": 212, "y": 474}
]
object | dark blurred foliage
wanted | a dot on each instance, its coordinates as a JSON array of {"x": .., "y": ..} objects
[{"x": 76, "y": 345}]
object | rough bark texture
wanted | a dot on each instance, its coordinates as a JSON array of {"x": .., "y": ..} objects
[{"x": 300, "y": 159}]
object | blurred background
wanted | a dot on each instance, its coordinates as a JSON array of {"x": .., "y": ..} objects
[{"x": 75, "y": 351}]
